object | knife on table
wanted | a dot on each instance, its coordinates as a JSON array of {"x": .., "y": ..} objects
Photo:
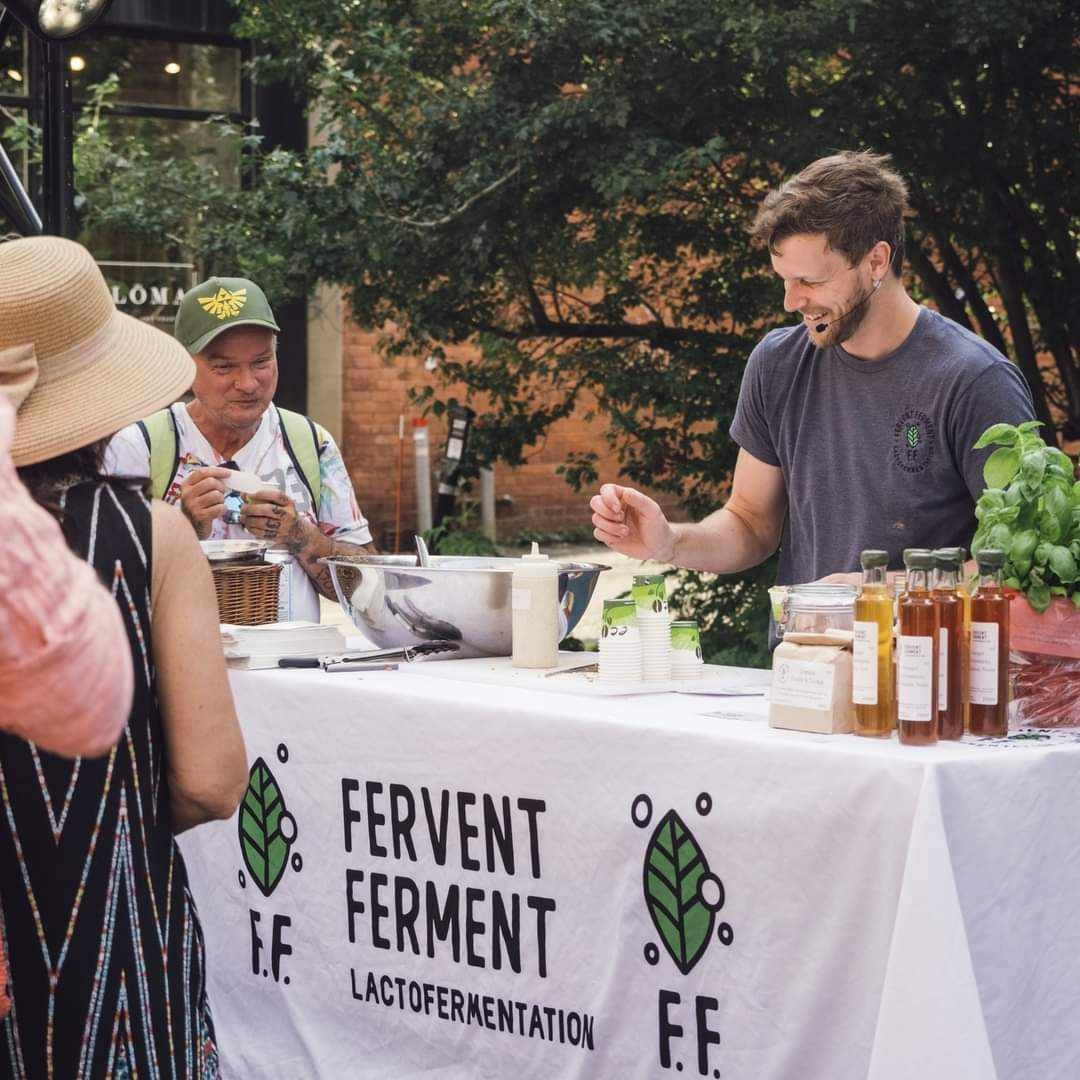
[{"x": 372, "y": 660}]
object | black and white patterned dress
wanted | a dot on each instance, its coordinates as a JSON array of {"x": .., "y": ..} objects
[{"x": 105, "y": 947}]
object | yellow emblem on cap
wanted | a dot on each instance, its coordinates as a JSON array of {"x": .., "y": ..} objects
[{"x": 224, "y": 304}]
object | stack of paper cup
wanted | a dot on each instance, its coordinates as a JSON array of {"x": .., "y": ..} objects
[
  {"x": 620, "y": 643},
  {"x": 686, "y": 661},
  {"x": 654, "y": 626}
]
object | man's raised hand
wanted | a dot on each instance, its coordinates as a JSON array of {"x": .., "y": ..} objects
[
  {"x": 631, "y": 523},
  {"x": 202, "y": 498}
]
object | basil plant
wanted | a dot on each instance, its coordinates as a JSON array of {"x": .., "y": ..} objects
[{"x": 1030, "y": 509}]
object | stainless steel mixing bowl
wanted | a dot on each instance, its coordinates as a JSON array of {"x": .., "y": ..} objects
[{"x": 465, "y": 599}]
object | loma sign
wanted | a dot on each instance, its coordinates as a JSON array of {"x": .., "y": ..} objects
[{"x": 151, "y": 291}]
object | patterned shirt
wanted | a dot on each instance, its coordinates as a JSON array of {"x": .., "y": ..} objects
[{"x": 265, "y": 455}]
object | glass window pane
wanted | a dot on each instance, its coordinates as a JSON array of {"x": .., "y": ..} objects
[
  {"x": 177, "y": 74},
  {"x": 14, "y": 69},
  {"x": 9, "y": 118},
  {"x": 147, "y": 277}
]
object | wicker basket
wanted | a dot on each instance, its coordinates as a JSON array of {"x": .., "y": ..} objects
[{"x": 247, "y": 595}]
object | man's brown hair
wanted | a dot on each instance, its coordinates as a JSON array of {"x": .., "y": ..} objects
[{"x": 853, "y": 197}]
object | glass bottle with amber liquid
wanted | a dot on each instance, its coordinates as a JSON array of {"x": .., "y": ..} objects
[
  {"x": 989, "y": 652},
  {"x": 916, "y": 654},
  {"x": 964, "y": 593},
  {"x": 950, "y": 634},
  {"x": 872, "y": 674}
]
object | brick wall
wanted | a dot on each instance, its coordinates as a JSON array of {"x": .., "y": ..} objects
[{"x": 375, "y": 393}]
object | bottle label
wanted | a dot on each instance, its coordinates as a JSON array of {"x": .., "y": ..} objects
[
  {"x": 943, "y": 670},
  {"x": 864, "y": 668},
  {"x": 520, "y": 599},
  {"x": 915, "y": 679},
  {"x": 983, "y": 689},
  {"x": 803, "y": 684}
]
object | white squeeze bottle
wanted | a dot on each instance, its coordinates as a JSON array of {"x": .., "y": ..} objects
[{"x": 534, "y": 602}]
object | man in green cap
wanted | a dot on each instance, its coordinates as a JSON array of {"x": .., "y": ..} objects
[{"x": 189, "y": 451}]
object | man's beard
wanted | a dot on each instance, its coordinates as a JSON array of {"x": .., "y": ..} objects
[{"x": 843, "y": 327}]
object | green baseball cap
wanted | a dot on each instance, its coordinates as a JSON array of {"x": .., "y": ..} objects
[{"x": 218, "y": 304}]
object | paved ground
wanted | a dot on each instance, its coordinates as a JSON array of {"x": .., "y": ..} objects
[{"x": 612, "y": 583}]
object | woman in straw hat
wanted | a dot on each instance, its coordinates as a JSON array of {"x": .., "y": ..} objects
[{"x": 107, "y": 972}]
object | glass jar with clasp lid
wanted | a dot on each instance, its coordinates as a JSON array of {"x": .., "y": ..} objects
[{"x": 817, "y": 609}]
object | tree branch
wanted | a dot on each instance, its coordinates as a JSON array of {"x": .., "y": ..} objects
[
  {"x": 657, "y": 333},
  {"x": 449, "y": 218},
  {"x": 938, "y": 285}
]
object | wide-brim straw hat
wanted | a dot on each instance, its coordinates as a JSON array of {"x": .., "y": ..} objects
[{"x": 97, "y": 370}]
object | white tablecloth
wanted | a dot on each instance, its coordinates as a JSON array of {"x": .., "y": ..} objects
[{"x": 887, "y": 912}]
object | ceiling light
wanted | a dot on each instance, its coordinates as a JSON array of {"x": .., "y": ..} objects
[
  {"x": 77, "y": 63},
  {"x": 13, "y": 74},
  {"x": 172, "y": 68}
]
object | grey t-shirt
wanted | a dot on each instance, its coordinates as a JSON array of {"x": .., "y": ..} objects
[{"x": 875, "y": 453}]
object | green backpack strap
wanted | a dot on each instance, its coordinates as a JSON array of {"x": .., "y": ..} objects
[
  {"x": 304, "y": 442},
  {"x": 163, "y": 442}
]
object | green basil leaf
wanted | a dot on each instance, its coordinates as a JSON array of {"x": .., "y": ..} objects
[
  {"x": 1001, "y": 466},
  {"x": 1033, "y": 468},
  {"x": 1054, "y": 456},
  {"x": 999, "y": 434},
  {"x": 1000, "y": 536},
  {"x": 1023, "y": 544},
  {"x": 1029, "y": 425},
  {"x": 1041, "y": 553},
  {"x": 1076, "y": 599},
  {"x": 992, "y": 498},
  {"x": 1039, "y": 597},
  {"x": 1013, "y": 495},
  {"x": 1058, "y": 590},
  {"x": 1056, "y": 502},
  {"x": 1062, "y": 563},
  {"x": 1049, "y": 527},
  {"x": 1012, "y": 583}
]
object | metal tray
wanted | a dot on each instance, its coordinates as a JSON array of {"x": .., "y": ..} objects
[{"x": 234, "y": 551}]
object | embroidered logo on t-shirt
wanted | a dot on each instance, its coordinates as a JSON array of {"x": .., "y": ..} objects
[{"x": 913, "y": 441}]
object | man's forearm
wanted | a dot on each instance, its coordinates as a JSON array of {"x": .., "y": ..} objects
[
  {"x": 316, "y": 546},
  {"x": 722, "y": 543}
]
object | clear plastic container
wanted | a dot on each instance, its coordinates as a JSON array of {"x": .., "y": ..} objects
[{"x": 816, "y": 609}]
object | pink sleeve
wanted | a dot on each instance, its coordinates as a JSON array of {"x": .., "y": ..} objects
[{"x": 65, "y": 662}]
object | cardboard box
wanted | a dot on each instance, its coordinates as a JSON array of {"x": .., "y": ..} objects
[{"x": 811, "y": 684}]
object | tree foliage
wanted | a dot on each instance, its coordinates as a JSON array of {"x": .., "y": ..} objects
[{"x": 567, "y": 184}]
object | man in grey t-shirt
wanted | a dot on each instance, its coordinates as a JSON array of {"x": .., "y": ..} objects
[{"x": 855, "y": 426}]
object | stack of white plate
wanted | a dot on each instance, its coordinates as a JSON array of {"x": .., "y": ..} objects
[{"x": 620, "y": 644}]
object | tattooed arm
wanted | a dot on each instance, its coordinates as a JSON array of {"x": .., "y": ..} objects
[{"x": 271, "y": 515}]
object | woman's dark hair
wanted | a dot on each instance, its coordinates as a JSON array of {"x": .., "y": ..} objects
[{"x": 47, "y": 481}]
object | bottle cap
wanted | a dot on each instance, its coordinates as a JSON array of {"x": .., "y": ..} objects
[
  {"x": 534, "y": 554},
  {"x": 918, "y": 559},
  {"x": 949, "y": 558},
  {"x": 872, "y": 557},
  {"x": 990, "y": 559}
]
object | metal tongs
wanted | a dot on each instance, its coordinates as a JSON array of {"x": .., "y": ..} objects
[{"x": 372, "y": 660}]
